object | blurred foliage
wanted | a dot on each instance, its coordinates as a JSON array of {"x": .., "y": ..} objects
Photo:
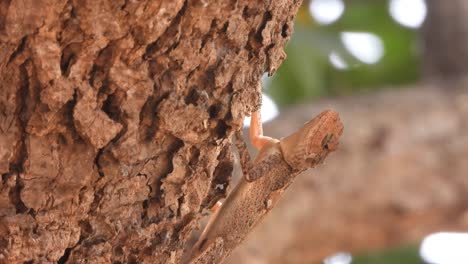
[
  {"x": 407, "y": 254},
  {"x": 307, "y": 72}
]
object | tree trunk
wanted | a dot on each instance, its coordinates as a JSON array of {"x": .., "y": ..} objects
[
  {"x": 445, "y": 39},
  {"x": 115, "y": 120}
]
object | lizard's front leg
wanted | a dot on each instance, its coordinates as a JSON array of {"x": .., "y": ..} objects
[
  {"x": 256, "y": 132},
  {"x": 258, "y": 140}
]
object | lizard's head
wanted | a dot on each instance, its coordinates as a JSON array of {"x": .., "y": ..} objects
[{"x": 311, "y": 144}]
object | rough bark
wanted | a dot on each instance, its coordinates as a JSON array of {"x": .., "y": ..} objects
[
  {"x": 399, "y": 174},
  {"x": 115, "y": 119}
]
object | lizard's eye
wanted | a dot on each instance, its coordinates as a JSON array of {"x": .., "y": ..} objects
[
  {"x": 326, "y": 140},
  {"x": 314, "y": 159}
]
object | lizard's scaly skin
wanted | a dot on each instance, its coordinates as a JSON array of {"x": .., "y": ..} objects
[{"x": 277, "y": 164}]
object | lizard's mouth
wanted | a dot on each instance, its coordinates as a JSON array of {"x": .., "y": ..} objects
[{"x": 315, "y": 159}]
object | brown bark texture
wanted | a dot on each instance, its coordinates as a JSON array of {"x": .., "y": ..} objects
[
  {"x": 115, "y": 120},
  {"x": 400, "y": 173}
]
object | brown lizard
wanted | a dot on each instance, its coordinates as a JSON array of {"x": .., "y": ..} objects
[{"x": 272, "y": 171}]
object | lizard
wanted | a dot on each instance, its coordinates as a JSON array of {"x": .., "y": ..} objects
[{"x": 265, "y": 179}]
